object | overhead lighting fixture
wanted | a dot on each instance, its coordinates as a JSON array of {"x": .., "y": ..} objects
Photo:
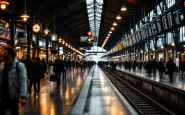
[
  {"x": 162, "y": 47},
  {"x": 123, "y": 8},
  {"x": 118, "y": 17},
  {"x": 25, "y": 16},
  {"x": 46, "y": 31},
  {"x": 3, "y": 4},
  {"x": 115, "y": 24},
  {"x": 112, "y": 28},
  {"x": 108, "y": 35},
  {"x": 110, "y": 32},
  {"x": 173, "y": 44},
  {"x": 89, "y": 33}
]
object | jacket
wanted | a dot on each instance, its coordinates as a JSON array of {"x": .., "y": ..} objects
[
  {"x": 29, "y": 67},
  {"x": 17, "y": 85},
  {"x": 58, "y": 65},
  {"x": 38, "y": 70}
]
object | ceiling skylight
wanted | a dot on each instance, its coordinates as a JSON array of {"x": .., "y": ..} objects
[{"x": 94, "y": 9}]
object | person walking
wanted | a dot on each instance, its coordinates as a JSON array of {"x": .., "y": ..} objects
[
  {"x": 170, "y": 66},
  {"x": 161, "y": 68},
  {"x": 29, "y": 67},
  {"x": 183, "y": 68},
  {"x": 57, "y": 69},
  {"x": 64, "y": 68},
  {"x": 38, "y": 74},
  {"x": 13, "y": 83},
  {"x": 44, "y": 65},
  {"x": 154, "y": 66}
]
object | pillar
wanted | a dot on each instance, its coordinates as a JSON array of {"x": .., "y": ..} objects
[
  {"x": 29, "y": 39},
  {"x": 46, "y": 50},
  {"x": 12, "y": 33}
]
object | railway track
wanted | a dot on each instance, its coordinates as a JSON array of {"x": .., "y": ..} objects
[{"x": 143, "y": 104}]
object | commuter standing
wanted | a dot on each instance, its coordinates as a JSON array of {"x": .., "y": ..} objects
[
  {"x": 129, "y": 65},
  {"x": 57, "y": 69},
  {"x": 183, "y": 67},
  {"x": 44, "y": 65},
  {"x": 154, "y": 66},
  {"x": 38, "y": 74},
  {"x": 29, "y": 67},
  {"x": 13, "y": 83},
  {"x": 149, "y": 67},
  {"x": 65, "y": 66},
  {"x": 134, "y": 64},
  {"x": 170, "y": 65},
  {"x": 161, "y": 68}
]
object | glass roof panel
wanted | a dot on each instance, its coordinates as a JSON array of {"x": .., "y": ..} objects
[{"x": 94, "y": 19}]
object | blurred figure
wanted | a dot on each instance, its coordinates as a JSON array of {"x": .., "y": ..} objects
[
  {"x": 38, "y": 74},
  {"x": 29, "y": 67},
  {"x": 44, "y": 65},
  {"x": 134, "y": 64},
  {"x": 161, "y": 68},
  {"x": 65, "y": 66},
  {"x": 154, "y": 66},
  {"x": 183, "y": 68},
  {"x": 170, "y": 66},
  {"x": 13, "y": 83},
  {"x": 149, "y": 67},
  {"x": 57, "y": 69}
]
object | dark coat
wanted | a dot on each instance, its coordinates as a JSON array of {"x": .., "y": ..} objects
[
  {"x": 38, "y": 71},
  {"x": 58, "y": 65},
  {"x": 29, "y": 67},
  {"x": 161, "y": 67},
  {"x": 170, "y": 65},
  {"x": 44, "y": 65},
  {"x": 183, "y": 66}
]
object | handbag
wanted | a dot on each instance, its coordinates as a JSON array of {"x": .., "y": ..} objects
[
  {"x": 53, "y": 78},
  {"x": 166, "y": 72}
]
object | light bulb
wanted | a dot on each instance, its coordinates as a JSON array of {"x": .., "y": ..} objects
[
  {"x": 115, "y": 24},
  {"x": 25, "y": 19},
  {"x": 3, "y": 6},
  {"x": 118, "y": 17}
]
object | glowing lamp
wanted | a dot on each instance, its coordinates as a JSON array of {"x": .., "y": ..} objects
[
  {"x": 3, "y": 4},
  {"x": 25, "y": 16},
  {"x": 89, "y": 33}
]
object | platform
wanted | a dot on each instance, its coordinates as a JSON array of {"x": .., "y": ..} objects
[
  {"x": 99, "y": 96},
  {"x": 178, "y": 81},
  {"x": 52, "y": 101}
]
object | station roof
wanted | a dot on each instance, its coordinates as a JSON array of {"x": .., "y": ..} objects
[{"x": 72, "y": 18}]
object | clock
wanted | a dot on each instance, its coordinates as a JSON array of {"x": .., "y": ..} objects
[{"x": 36, "y": 28}]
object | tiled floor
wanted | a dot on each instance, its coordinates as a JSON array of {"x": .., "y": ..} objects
[
  {"x": 101, "y": 99},
  {"x": 178, "y": 81},
  {"x": 52, "y": 101}
]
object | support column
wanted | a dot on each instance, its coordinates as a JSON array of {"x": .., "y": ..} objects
[
  {"x": 12, "y": 33},
  {"x": 46, "y": 49},
  {"x": 29, "y": 38}
]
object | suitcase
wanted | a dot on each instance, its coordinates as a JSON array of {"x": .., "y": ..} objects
[{"x": 53, "y": 78}]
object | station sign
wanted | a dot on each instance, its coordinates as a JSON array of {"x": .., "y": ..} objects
[
  {"x": 84, "y": 48},
  {"x": 85, "y": 38}
]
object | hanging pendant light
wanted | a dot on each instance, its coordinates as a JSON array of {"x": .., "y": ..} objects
[
  {"x": 46, "y": 31},
  {"x": 60, "y": 39},
  {"x": 123, "y": 8},
  {"x": 115, "y": 24},
  {"x": 118, "y": 17},
  {"x": 3, "y": 4},
  {"x": 25, "y": 16},
  {"x": 112, "y": 28}
]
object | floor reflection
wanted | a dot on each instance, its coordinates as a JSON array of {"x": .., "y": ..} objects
[{"x": 52, "y": 101}]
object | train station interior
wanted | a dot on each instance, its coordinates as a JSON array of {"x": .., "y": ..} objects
[{"x": 98, "y": 57}]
